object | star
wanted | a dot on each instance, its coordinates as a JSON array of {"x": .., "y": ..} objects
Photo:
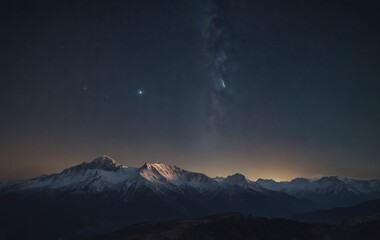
[{"x": 140, "y": 92}]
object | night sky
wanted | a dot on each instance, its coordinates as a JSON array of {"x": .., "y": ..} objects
[{"x": 268, "y": 88}]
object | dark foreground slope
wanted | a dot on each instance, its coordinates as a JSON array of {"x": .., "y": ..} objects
[
  {"x": 340, "y": 215},
  {"x": 237, "y": 226}
]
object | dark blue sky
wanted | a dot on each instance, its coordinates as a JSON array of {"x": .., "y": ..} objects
[{"x": 273, "y": 89}]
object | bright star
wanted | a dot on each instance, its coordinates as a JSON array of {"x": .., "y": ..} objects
[{"x": 140, "y": 92}]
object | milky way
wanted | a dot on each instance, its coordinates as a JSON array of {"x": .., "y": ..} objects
[{"x": 216, "y": 43}]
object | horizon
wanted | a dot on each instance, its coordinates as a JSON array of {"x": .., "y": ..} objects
[{"x": 254, "y": 179}]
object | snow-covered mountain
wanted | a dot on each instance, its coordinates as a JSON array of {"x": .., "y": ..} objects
[
  {"x": 100, "y": 174},
  {"x": 327, "y": 191},
  {"x": 103, "y": 196},
  {"x": 105, "y": 174}
]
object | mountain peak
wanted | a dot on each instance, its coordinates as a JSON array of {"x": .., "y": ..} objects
[
  {"x": 330, "y": 179},
  {"x": 154, "y": 164},
  {"x": 265, "y": 180},
  {"x": 104, "y": 162},
  {"x": 237, "y": 178},
  {"x": 300, "y": 180},
  {"x": 160, "y": 167},
  {"x": 159, "y": 170}
]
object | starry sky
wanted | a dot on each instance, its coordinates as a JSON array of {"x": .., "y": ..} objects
[{"x": 268, "y": 88}]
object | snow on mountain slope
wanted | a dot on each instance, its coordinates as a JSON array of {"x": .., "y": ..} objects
[
  {"x": 109, "y": 194},
  {"x": 161, "y": 173},
  {"x": 105, "y": 174},
  {"x": 239, "y": 180},
  {"x": 324, "y": 185},
  {"x": 96, "y": 176},
  {"x": 332, "y": 191},
  {"x": 362, "y": 186}
]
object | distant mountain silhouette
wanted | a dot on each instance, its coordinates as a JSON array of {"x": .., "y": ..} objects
[
  {"x": 328, "y": 192},
  {"x": 339, "y": 215}
]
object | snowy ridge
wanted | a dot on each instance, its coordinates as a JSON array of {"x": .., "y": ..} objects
[
  {"x": 332, "y": 184},
  {"x": 100, "y": 174},
  {"x": 327, "y": 191},
  {"x": 103, "y": 190},
  {"x": 161, "y": 173},
  {"x": 239, "y": 180},
  {"x": 105, "y": 174}
]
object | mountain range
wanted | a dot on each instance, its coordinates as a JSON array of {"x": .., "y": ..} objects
[
  {"x": 102, "y": 196},
  {"x": 328, "y": 192}
]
